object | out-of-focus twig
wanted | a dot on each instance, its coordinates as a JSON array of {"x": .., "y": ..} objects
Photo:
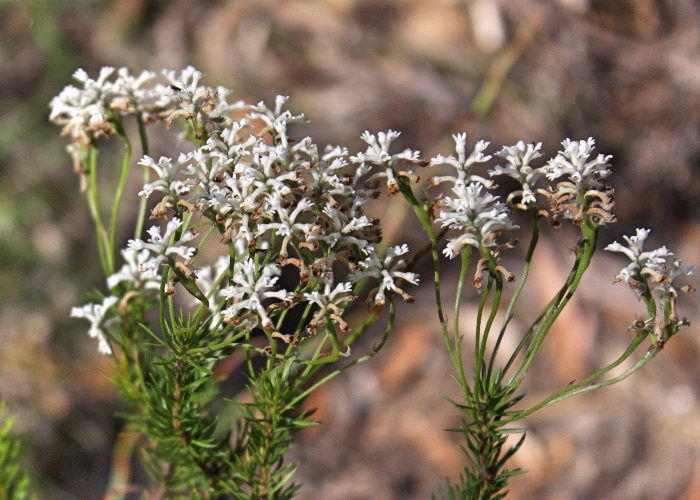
[
  {"x": 499, "y": 68},
  {"x": 120, "y": 471}
]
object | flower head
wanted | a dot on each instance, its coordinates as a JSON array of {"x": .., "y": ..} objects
[
  {"x": 642, "y": 263},
  {"x": 130, "y": 272},
  {"x": 276, "y": 121},
  {"x": 582, "y": 194},
  {"x": 186, "y": 98},
  {"x": 463, "y": 163},
  {"x": 250, "y": 288},
  {"x": 83, "y": 111},
  {"x": 658, "y": 269},
  {"x": 387, "y": 272},
  {"x": 378, "y": 154},
  {"x": 95, "y": 314},
  {"x": 481, "y": 216},
  {"x": 330, "y": 305},
  {"x": 160, "y": 247},
  {"x": 166, "y": 170},
  {"x": 518, "y": 167}
]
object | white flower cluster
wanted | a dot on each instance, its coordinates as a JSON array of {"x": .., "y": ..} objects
[
  {"x": 483, "y": 218},
  {"x": 657, "y": 268},
  {"x": 84, "y": 112},
  {"x": 518, "y": 167},
  {"x": 378, "y": 154},
  {"x": 462, "y": 163},
  {"x": 89, "y": 112},
  {"x": 583, "y": 193},
  {"x": 476, "y": 212},
  {"x": 276, "y": 202},
  {"x": 164, "y": 248}
]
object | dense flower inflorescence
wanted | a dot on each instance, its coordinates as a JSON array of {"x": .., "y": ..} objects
[
  {"x": 481, "y": 218},
  {"x": 518, "y": 167},
  {"x": 583, "y": 194},
  {"x": 480, "y": 215},
  {"x": 278, "y": 202},
  {"x": 657, "y": 269},
  {"x": 269, "y": 196}
]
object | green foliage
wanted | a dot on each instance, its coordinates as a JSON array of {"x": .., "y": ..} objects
[{"x": 14, "y": 481}]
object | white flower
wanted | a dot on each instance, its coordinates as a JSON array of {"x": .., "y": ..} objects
[
  {"x": 248, "y": 291},
  {"x": 329, "y": 302},
  {"x": 131, "y": 271},
  {"x": 653, "y": 269},
  {"x": 95, "y": 314},
  {"x": 338, "y": 231},
  {"x": 582, "y": 196},
  {"x": 653, "y": 266},
  {"x": 328, "y": 296},
  {"x": 222, "y": 107},
  {"x": 186, "y": 98},
  {"x": 83, "y": 112},
  {"x": 387, "y": 274},
  {"x": 573, "y": 162},
  {"x": 287, "y": 227},
  {"x": 325, "y": 172},
  {"x": 276, "y": 120},
  {"x": 463, "y": 163},
  {"x": 518, "y": 167},
  {"x": 378, "y": 154},
  {"x": 133, "y": 84},
  {"x": 161, "y": 248},
  {"x": 166, "y": 170},
  {"x": 132, "y": 88},
  {"x": 231, "y": 143},
  {"x": 207, "y": 166},
  {"x": 482, "y": 217},
  {"x": 186, "y": 83},
  {"x": 643, "y": 263},
  {"x": 667, "y": 285}
]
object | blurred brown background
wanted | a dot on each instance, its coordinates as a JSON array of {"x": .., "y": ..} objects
[{"x": 624, "y": 71}]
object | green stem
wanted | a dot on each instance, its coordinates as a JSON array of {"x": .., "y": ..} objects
[
  {"x": 498, "y": 292},
  {"x": 164, "y": 327},
  {"x": 309, "y": 371},
  {"x": 370, "y": 355},
  {"x": 526, "y": 270},
  {"x": 335, "y": 348},
  {"x": 143, "y": 202},
  {"x": 587, "y": 247},
  {"x": 94, "y": 205},
  {"x": 126, "y": 163},
  {"x": 587, "y": 384},
  {"x": 456, "y": 354},
  {"x": 424, "y": 218},
  {"x": 579, "y": 388},
  {"x": 478, "y": 354},
  {"x": 535, "y": 324}
]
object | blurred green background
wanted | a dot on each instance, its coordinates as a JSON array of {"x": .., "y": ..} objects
[{"x": 626, "y": 72}]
